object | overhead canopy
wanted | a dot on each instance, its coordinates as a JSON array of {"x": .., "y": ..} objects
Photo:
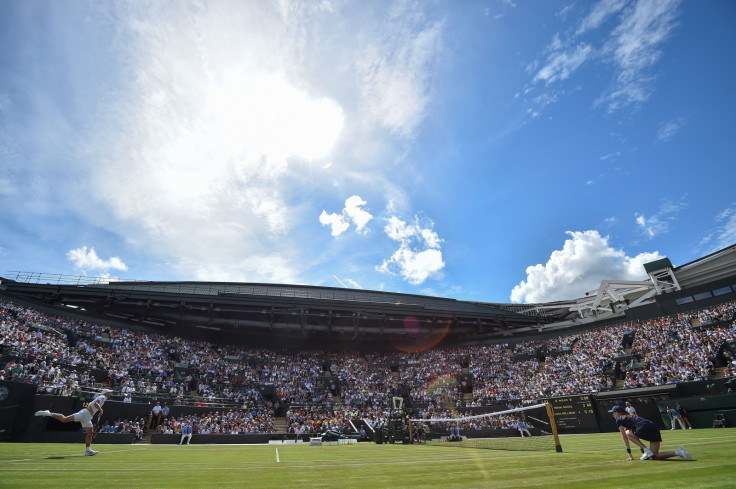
[{"x": 290, "y": 310}]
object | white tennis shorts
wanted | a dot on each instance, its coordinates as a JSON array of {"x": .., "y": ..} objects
[{"x": 84, "y": 417}]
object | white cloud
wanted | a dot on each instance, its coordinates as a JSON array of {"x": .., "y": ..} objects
[
  {"x": 635, "y": 46},
  {"x": 87, "y": 260},
  {"x": 418, "y": 257},
  {"x": 600, "y": 12},
  {"x": 353, "y": 212},
  {"x": 609, "y": 221},
  {"x": 565, "y": 10},
  {"x": 218, "y": 119},
  {"x": 210, "y": 125},
  {"x": 205, "y": 124},
  {"x": 337, "y": 221},
  {"x": 561, "y": 64},
  {"x": 649, "y": 226},
  {"x": 546, "y": 99},
  {"x": 632, "y": 47},
  {"x": 659, "y": 222},
  {"x": 398, "y": 230},
  {"x": 273, "y": 267},
  {"x": 610, "y": 155},
  {"x": 726, "y": 234},
  {"x": 668, "y": 129},
  {"x": 584, "y": 261},
  {"x": 396, "y": 69},
  {"x": 723, "y": 234}
]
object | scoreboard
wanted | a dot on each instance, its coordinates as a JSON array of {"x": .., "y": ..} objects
[{"x": 574, "y": 414}]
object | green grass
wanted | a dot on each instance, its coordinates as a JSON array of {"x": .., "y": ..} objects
[{"x": 588, "y": 461}]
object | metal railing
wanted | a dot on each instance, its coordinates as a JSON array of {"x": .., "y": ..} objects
[{"x": 61, "y": 279}]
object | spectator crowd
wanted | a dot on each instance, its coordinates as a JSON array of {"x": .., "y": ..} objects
[{"x": 325, "y": 390}]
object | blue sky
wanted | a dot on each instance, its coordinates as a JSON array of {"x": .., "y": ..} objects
[{"x": 490, "y": 150}]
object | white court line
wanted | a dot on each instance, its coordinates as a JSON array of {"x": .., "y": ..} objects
[{"x": 277, "y": 456}]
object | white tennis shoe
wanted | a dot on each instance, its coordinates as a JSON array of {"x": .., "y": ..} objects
[
  {"x": 647, "y": 454},
  {"x": 681, "y": 452},
  {"x": 91, "y": 452}
]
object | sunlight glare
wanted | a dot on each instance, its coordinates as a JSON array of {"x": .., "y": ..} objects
[{"x": 269, "y": 116}]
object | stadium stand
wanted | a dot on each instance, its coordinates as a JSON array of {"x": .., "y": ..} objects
[{"x": 221, "y": 383}]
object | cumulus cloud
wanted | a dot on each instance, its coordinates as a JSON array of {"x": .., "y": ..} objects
[
  {"x": 86, "y": 260},
  {"x": 352, "y": 212},
  {"x": 337, "y": 221},
  {"x": 584, "y": 261},
  {"x": 418, "y": 257}
]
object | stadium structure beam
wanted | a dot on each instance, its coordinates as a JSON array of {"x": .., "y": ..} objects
[{"x": 611, "y": 299}]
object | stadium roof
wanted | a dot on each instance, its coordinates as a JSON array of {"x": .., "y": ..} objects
[
  {"x": 268, "y": 309},
  {"x": 240, "y": 311}
]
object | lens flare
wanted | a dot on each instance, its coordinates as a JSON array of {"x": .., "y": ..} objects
[
  {"x": 411, "y": 325},
  {"x": 419, "y": 338}
]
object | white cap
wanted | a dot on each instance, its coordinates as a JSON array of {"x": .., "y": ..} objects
[{"x": 106, "y": 391}]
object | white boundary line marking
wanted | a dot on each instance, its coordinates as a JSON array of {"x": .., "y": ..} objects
[{"x": 277, "y": 456}]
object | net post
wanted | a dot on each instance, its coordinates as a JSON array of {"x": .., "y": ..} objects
[{"x": 553, "y": 425}]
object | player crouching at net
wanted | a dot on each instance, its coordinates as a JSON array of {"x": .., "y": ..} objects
[
  {"x": 636, "y": 428},
  {"x": 523, "y": 428},
  {"x": 455, "y": 433},
  {"x": 84, "y": 417}
]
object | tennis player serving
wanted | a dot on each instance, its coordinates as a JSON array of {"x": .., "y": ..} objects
[{"x": 84, "y": 417}]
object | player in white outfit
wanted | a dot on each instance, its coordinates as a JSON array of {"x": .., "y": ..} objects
[{"x": 84, "y": 417}]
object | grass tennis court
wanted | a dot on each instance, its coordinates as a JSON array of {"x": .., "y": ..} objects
[{"x": 597, "y": 460}]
